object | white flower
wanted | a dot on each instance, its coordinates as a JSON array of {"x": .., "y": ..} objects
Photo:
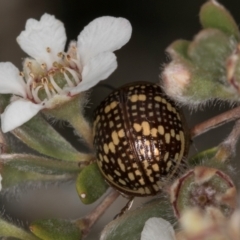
[
  {"x": 51, "y": 76},
  {"x": 157, "y": 229}
]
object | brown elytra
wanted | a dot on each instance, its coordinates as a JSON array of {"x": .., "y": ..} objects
[{"x": 140, "y": 139}]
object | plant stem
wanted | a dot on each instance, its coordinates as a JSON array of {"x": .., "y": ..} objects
[
  {"x": 227, "y": 148},
  {"x": 216, "y": 121},
  {"x": 73, "y": 113},
  {"x": 93, "y": 216},
  {"x": 82, "y": 127}
]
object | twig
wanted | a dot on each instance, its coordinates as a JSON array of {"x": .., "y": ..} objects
[
  {"x": 92, "y": 217},
  {"x": 227, "y": 148},
  {"x": 216, "y": 121},
  {"x": 3, "y": 143}
]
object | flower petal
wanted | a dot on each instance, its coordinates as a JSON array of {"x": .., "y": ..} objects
[
  {"x": 157, "y": 229},
  {"x": 41, "y": 35},
  {"x": 11, "y": 81},
  {"x": 97, "y": 69},
  {"x": 17, "y": 113},
  {"x": 104, "y": 34}
]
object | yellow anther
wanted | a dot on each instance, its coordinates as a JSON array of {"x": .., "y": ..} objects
[
  {"x": 62, "y": 70},
  {"x": 60, "y": 54},
  {"x": 21, "y": 74},
  {"x": 44, "y": 80},
  {"x": 44, "y": 66},
  {"x": 68, "y": 57},
  {"x": 55, "y": 64},
  {"x": 48, "y": 49},
  {"x": 51, "y": 72},
  {"x": 29, "y": 64}
]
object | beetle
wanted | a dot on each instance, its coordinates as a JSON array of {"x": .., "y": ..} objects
[{"x": 141, "y": 139}]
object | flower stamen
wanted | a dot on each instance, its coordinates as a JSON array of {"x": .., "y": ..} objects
[
  {"x": 55, "y": 86},
  {"x": 29, "y": 65},
  {"x": 74, "y": 75},
  {"x": 60, "y": 55},
  {"x": 69, "y": 82},
  {"x": 44, "y": 66},
  {"x": 75, "y": 62},
  {"x": 46, "y": 88},
  {"x": 35, "y": 94},
  {"x": 29, "y": 82},
  {"x": 21, "y": 74}
]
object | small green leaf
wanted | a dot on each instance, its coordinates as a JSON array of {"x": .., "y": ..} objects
[
  {"x": 214, "y": 15},
  {"x": 204, "y": 156},
  {"x": 9, "y": 230},
  {"x": 56, "y": 229},
  {"x": 90, "y": 184},
  {"x": 20, "y": 170},
  {"x": 42, "y": 137},
  {"x": 209, "y": 52},
  {"x": 129, "y": 225},
  {"x": 179, "y": 49},
  {"x": 43, "y": 165},
  {"x": 206, "y": 86}
]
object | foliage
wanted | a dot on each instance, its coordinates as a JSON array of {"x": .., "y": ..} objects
[{"x": 200, "y": 71}]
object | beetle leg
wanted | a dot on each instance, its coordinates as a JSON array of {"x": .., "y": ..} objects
[{"x": 125, "y": 208}]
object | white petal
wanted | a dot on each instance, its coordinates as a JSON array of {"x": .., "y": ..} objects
[
  {"x": 97, "y": 69},
  {"x": 104, "y": 34},
  {"x": 11, "y": 81},
  {"x": 17, "y": 113},
  {"x": 40, "y": 35},
  {"x": 157, "y": 229}
]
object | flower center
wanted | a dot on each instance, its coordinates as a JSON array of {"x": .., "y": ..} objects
[
  {"x": 43, "y": 83},
  {"x": 202, "y": 196}
]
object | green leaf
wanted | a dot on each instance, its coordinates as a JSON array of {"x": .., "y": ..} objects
[
  {"x": 209, "y": 52},
  {"x": 56, "y": 229},
  {"x": 90, "y": 184},
  {"x": 42, "y": 137},
  {"x": 179, "y": 49},
  {"x": 9, "y": 230},
  {"x": 43, "y": 165},
  {"x": 22, "y": 168},
  {"x": 201, "y": 157},
  {"x": 209, "y": 158},
  {"x": 214, "y": 15},
  {"x": 129, "y": 225}
]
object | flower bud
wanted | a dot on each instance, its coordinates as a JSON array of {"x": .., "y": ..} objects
[
  {"x": 176, "y": 79},
  {"x": 208, "y": 225},
  {"x": 206, "y": 68},
  {"x": 203, "y": 187}
]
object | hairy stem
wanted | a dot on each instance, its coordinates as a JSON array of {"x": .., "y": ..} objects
[
  {"x": 216, "y": 121},
  {"x": 92, "y": 217},
  {"x": 227, "y": 148}
]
